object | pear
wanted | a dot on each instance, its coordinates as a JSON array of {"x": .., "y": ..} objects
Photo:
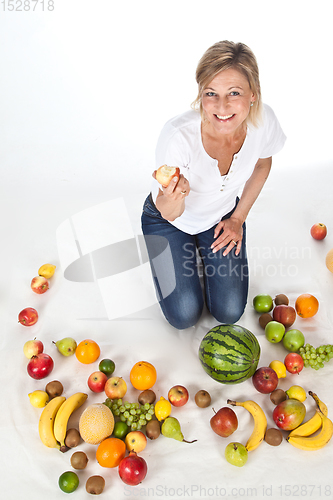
[
  {"x": 171, "y": 428},
  {"x": 66, "y": 346}
]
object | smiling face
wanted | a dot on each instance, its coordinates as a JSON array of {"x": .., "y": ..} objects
[{"x": 226, "y": 102}]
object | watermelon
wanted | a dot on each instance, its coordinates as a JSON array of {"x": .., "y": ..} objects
[{"x": 229, "y": 353}]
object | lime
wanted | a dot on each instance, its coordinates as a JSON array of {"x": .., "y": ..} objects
[
  {"x": 107, "y": 366},
  {"x": 68, "y": 481},
  {"x": 120, "y": 429}
]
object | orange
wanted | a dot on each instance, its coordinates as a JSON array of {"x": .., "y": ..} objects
[
  {"x": 110, "y": 452},
  {"x": 329, "y": 260},
  {"x": 96, "y": 423},
  {"x": 306, "y": 305},
  {"x": 87, "y": 351},
  {"x": 143, "y": 375}
]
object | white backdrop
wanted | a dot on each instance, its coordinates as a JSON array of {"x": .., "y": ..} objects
[{"x": 85, "y": 89}]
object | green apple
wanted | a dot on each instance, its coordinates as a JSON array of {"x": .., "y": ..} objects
[
  {"x": 293, "y": 340},
  {"x": 236, "y": 454},
  {"x": 274, "y": 331},
  {"x": 107, "y": 366},
  {"x": 263, "y": 303}
]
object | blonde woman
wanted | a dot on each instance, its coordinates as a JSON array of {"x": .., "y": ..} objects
[{"x": 223, "y": 147}]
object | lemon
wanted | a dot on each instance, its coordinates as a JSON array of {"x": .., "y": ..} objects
[
  {"x": 39, "y": 399},
  {"x": 162, "y": 408},
  {"x": 296, "y": 392},
  {"x": 279, "y": 368},
  {"x": 46, "y": 270}
]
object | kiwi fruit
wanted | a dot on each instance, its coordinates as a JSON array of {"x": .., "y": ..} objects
[
  {"x": 281, "y": 299},
  {"x": 273, "y": 437},
  {"x": 54, "y": 389},
  {"x": 147, "y": 396},
  {"x": 278, "y": 396},
  {"x": 73, "y": 438},
  {"x": 264, "y": 319},
  {"x": 202, "y": 399},
  {"x": 95, "y": 485},
  {"x": 153, "y": 429},
  {"x": 79, "y": 460}
]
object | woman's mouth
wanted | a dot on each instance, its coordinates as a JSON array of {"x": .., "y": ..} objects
[{"x": 224, "y": 118}]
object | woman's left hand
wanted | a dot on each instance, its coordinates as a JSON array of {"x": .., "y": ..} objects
[{"x": 231, "y": 236}]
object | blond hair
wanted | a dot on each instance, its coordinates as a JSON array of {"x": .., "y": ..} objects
[{"x": 224, "y": 55}]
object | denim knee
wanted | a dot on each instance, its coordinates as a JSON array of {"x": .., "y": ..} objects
[
  {"x": 228, "y": 312},
  {"x": 183, "y": 313}
]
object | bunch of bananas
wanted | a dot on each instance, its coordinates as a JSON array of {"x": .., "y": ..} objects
[
  {"x": 54, "y": 419},
  {"x": 302, "y": 437},
  {"x": 260, "y": 422}
]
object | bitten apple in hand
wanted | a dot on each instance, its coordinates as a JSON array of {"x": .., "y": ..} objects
[{"x": 164, "y": 174}]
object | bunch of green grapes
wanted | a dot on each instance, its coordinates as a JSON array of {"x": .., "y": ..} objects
[
  {"x": 316, "y": 357},
  {"x": 135, "y": 415}
]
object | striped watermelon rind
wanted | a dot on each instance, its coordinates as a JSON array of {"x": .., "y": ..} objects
[{"x": 229, "y": 353}]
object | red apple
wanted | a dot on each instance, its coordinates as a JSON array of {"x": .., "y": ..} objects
[
  {"x": 294, "y": 362},
  {"x": 28, "y": 316},
  {"x": 284, "y": 314},
  {"x": 115, "y": 388},
  {"x": 40, "y": 366},
  {"x": 32, "y": 348},
  {"x": 318, "y": 231},
  {"x": 97, "y": 381},
  {"x": 224, "y": 422},
  {"x": 39, "y": 284},
  {"x": 132, "y": 469},
  {"x": 164, "y": 174},
  {"x": 289, "y": 414},
  {"x": 265, "y": 380},
  {"x": 178, "y": 395}
]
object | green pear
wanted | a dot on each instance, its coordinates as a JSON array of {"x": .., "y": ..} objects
[
  {"x": 171, "y": 428},
  {"x": 66, "y": 346}
]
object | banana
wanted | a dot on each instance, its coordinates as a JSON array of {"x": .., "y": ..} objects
[
  {"x": 322, "y": 407},
  {"x": 315, "y": 422},
  {"x": 260, "y": 423},
  {"x": 314, "y": 442},
  {"x": 46, "y": 422},
  {"x": 61, "y": 420}
]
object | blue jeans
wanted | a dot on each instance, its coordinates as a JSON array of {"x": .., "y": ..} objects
[{"x": 173, "y": 257}]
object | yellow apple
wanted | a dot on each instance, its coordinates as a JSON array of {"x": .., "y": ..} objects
[
  {"x": 115, "y": 388},
  {"x": 135, "y": 441}
]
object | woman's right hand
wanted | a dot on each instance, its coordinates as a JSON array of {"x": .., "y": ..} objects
[{"x": 171, "y": 200}]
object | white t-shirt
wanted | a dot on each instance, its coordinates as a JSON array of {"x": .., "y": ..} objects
[{"x": 212, "y": 195}]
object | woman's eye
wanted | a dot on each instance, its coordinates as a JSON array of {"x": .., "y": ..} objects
[
  {"x": 234, "y": 93},
  {"x": 210, "y": 94}
]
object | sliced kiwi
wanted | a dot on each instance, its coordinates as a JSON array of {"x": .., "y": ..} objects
[
  {"x": 273, "y": 437},
  {"x": 147, "y": 396},
  {"x": 79, "y": 460},
  {"x": 202, "y": 399},
  {"x": 73, "y": 438},
  {"x": 153, "y": 429},
  {"x": 95, "y": 485},
  {"x": 54, "y": 389},
  {"x": 278, "y": 396}
]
